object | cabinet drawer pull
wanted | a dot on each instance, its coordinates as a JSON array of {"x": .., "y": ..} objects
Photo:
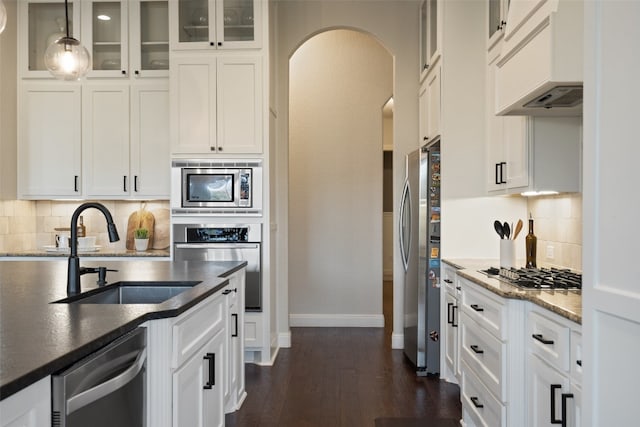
[
  {"x": 579, "y": 362},
  {"x": 476, "y": 308},
  {"x": 458, "y": 288},
  {"x": 565, "y": 397},
  {"x": 498, "y": 174},
  {"x": 476, "y": 402},
  {"x": 135, "y": 183},
  {"x": 448, "y": 281},
  {"x": 476, "y": 350},
  {"x": 75, "y": 183},
  {"x": 211, "y": 357},
  {"x": 553, "y": 388},
  {"x": 503, "y": 172},
  {"x": 124, "y": 183},
  {"x": 453, "y": 317},
  {"x": 235, "y": 318},
  {"x": 539, "y": 337}
]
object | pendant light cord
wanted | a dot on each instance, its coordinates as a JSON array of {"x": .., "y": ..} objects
[{"x": 66, "y": 15}]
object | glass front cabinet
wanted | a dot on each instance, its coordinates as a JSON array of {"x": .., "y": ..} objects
[
  {"x": 124, "y": 38},
  {"x": 215, "y": 24}
]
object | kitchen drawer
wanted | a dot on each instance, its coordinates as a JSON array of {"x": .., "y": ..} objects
[
  {"x": 450, "y": 279},
  {"x": 485, "y": 354},
  {"x": 576, "y": 357},
  {"x": 549, "y": 339},
  {"x": 195, "y": 327},
  {"x": 479, "y": 406},
  {"x": 484, "y": 308}
]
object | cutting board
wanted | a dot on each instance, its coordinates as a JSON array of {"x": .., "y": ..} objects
[
  {"x": 161, "y": 236},
  {"x": 141, "y": 218}
]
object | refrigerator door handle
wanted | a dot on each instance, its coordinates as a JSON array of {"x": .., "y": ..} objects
[{"x": 405, "y": 224}]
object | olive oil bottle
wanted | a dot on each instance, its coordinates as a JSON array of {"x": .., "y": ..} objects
[{"x": 531, "y": 242}]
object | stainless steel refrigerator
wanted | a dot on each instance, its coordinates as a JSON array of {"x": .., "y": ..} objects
[{"x": 420, "y": 248}]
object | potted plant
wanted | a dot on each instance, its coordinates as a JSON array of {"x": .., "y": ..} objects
[{"x": 141, "y": 238}]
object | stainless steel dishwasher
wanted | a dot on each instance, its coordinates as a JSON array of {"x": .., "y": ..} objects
[
  {"x": 217, "y": 242},
  {"x": 108, "y": 388}
]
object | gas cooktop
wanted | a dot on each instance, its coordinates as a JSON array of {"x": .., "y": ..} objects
[{"x": 538, "y": 278}]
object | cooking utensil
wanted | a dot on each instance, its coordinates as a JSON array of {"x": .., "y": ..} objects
[
  {"x": 506, "y": 229},
  {"x": 498, "y": 227},
  {"x": 518, "y": 229}
]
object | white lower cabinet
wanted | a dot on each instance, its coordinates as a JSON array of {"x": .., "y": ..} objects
[
  {"x": 554, "y": 385},
  {"x": 30, "y": 407},
  {"x": 195, "y": 363},
  {"x": 451, "y": 314},
  {"x": 491, "y": 358},
  {"x": 198, "y": 386}
]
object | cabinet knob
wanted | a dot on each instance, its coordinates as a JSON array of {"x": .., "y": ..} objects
[
  {"x": 124, "y": 72},
  {"x": 219, "y": 43},
  {"x": 136, "y": 72},
  {"x": 219, "y": 148},
  {"x": 212, "y": 44},
  {"x": 212, "y": 148}
]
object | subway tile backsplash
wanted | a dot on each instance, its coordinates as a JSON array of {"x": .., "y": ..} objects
[
  {"x": 28, "y": 225},
  {"x": 558, "y": 226}
]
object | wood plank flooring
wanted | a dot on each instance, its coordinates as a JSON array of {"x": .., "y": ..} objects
[{"x": 341, "y": 377}]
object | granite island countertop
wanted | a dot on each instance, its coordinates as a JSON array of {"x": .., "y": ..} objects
[
  {"x": 38, "y": 337},
  {"x": 567, "y": 304}
]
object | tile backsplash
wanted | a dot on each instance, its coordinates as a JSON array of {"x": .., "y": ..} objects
[
  {"x": 558, "y": 227},
  {"x": 28, "y": 225}
]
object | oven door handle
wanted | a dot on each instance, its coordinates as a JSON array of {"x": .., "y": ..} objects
[
  {"x": 89, "y": 396},
  {"x": 217, "y": 245}
]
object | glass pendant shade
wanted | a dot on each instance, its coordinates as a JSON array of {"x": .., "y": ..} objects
[
  {"x": 67, "y": 59},
  {"x": 3, "y": 16}
]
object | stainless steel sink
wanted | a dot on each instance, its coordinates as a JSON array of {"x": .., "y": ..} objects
[{"x": 131, "y": 293}]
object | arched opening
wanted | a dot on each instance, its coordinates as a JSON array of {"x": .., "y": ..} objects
[{"x": 339, "y": 81}]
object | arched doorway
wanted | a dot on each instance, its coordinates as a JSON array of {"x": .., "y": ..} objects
[{"x": 338, "y": 82}]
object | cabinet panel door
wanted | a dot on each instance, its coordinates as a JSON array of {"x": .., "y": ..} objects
[
  {"x": 433, "y": 112},
  {"x": 517, "y": 151},
  {"x": 495, "y": 137},
  {"x": 105, "y": 133},
  {"x": 214, "y": 397},
  {"x": 193, "y": 106},
  {"x": 49, "y": 148},
  {"x": 423, "y": 121},
  {"x": 541, "y": 379},
  {"x": 239, "y": 102},
  {"x": 188, "y": 396},
  {"x": 451, "y": 349},
  {"x": 105, "y": 34},
  {"x": 149, "y": 38},
  {"x": 150, "y": 140}
]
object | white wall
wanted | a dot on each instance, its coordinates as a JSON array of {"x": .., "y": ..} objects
[
  {"x": 339, "y": 81},
  {"x": 395, "y": 25}
]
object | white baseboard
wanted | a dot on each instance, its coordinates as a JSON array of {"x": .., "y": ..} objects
[
  {"x": 397, "y": 341},
  {"x": 284, "y": 339},
  {"x": 337, "y": 320}
]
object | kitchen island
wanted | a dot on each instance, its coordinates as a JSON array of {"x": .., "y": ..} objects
[{"x": 38, "y": 337}]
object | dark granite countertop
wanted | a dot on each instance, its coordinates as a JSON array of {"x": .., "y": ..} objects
[
  {"x": 102, "y": 252},
  {"x": 38, "y": 338},
  {"x": 567, "y": 304}
]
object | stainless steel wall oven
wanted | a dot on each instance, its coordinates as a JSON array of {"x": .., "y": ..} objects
[{"x": 217, "y": 242}]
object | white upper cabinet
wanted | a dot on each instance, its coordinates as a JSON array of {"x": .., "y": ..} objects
[
  {"x": 216, "y": 105},
  {"x": 42, "y": 22},
  {"x": 149, "y": 38},
  {"x": 429, "y": 106},
  {"x": 104, "y": 34},
  {"x": 430, "y": 35},
  {"x": 497, "y": 15},
  {"x": 49, "y": 135},
  {"x": 216, "y": 24}
]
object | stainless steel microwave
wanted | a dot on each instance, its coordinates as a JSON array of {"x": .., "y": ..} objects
[{"x": 226, "y": 187}]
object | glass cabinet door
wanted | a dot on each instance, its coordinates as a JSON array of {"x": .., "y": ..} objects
[
  {"x": 215, "y": 24},
  {"x": 105, "y": 35},
  {"x": 149, "y": 38},
  {"x": 45, "y": 23}
]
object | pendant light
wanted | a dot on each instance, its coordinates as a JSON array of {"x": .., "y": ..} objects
[
  {"x": 66, "y": 58},
  {"x": 3, "y": 16}
]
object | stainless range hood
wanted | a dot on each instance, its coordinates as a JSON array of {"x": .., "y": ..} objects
[
  {"x": 558, "y": 97},
  {"x": 540, "y": 69}
]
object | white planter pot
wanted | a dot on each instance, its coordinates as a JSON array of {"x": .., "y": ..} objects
[{"x": 141, "y": 244}]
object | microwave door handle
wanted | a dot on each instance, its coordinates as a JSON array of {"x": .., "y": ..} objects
[
  {"x": 217, "y": 245},
  {"x": 89, "y": 396}
]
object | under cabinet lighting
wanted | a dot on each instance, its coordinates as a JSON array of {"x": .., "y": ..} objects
[{"x": 538, "y": 193}]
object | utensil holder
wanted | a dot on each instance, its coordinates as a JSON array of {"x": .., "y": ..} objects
[{"x": 507, "y": 253}]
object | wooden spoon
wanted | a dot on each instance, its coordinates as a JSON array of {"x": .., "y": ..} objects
[{"x": 518, "y": 229}]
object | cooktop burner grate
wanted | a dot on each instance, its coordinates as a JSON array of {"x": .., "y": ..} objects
[{"x": 538, "y": 278}]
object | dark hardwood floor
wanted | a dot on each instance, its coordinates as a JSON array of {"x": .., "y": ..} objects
[{"x": 345, "y": 377}]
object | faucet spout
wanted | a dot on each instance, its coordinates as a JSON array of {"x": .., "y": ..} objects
[{"x": 74, "y": 271}]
